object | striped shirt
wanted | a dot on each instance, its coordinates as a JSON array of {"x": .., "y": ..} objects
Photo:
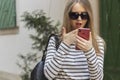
[{"x": 67, "y": 63}]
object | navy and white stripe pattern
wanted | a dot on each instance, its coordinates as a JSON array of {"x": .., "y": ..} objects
[{"x": 67, "y": 63}]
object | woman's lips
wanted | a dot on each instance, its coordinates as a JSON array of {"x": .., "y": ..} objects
[{"x": 78, "y": 24}]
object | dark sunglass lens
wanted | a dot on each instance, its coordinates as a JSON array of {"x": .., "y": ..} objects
[
  {"x": 73, "y": 15},
  {"x": 84, "y": 15}
]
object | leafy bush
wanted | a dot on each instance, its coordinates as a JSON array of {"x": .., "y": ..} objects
[{"x": 43, "y": 27}]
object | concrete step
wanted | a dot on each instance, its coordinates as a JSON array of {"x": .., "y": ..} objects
[{"x": 9, "y": 76}]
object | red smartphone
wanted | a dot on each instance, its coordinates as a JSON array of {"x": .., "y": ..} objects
[{"x": 84, "y": 33}]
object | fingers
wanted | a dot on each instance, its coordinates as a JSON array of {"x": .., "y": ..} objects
[
  {"x": 83, "y": 44},
  {"x": 74, "y": 32},
  {"x": 80, "y": 39},
  {"x": 64, "y": 31}
]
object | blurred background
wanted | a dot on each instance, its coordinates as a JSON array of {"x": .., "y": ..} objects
[{"x": 15, "y": 35}]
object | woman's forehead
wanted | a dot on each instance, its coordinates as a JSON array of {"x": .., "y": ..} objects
[{"x": 78, "y": 8}]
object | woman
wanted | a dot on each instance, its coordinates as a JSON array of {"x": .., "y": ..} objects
[{"x": 68, "y": 63}]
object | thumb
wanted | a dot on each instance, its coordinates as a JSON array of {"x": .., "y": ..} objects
[{"x": 63, "y": 30}]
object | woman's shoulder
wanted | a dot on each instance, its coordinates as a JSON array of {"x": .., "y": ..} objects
[
  {"x": 100, "y": 40},
  {"x": 54, "y": 38}
]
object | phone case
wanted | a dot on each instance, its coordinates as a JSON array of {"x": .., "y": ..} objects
[{"x": 84, "y": 33}]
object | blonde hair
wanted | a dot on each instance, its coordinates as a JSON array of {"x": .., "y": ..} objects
[{"x": 89, "y": 24}]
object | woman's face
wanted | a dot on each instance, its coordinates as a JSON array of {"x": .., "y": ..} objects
[{"x": 78, "y": 17}]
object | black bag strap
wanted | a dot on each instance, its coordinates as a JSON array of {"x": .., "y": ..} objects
[
  {"x": 57, "y": 42},
  {"x": 38, "y": 71}
]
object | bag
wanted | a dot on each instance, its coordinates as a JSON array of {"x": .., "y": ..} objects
[{"x": 38, "y": 71}]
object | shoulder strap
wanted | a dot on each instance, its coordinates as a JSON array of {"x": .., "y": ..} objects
[{"x": 57, "y": 42}]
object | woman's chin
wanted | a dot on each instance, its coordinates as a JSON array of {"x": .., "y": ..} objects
[{"x": 77, "y": 27}]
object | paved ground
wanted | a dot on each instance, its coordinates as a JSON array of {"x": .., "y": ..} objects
[{"x": 8, "y": 76}]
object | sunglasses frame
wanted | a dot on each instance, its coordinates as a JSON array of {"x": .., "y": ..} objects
[{"x": 75, "y": 15}]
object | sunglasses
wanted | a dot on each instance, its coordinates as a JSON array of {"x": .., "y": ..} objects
[{"x": 75, "y": 15}]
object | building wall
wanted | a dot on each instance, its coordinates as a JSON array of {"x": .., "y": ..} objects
[{"x": 12, "y": 45}]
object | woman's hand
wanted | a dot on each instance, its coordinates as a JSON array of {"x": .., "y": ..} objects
[
  {"x": 69, "y": 38},
  {"x": 83, "y": 44}
]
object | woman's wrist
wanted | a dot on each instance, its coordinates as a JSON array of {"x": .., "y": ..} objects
[
  {"x": 88, "y": 50},
  {"x": 66, "y": 42}
]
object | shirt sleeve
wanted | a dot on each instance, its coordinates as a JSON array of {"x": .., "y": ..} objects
[
  {"x": 54, "y": 59},
  {"x": 96, "y": 61}
]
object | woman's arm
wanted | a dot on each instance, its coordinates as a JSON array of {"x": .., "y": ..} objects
[
  {"x": 54, "y": 59},
  {"x": 95, "y": 61}
]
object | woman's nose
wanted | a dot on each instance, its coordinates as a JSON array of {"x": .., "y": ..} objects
[{"x": 79, "y": 18}]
